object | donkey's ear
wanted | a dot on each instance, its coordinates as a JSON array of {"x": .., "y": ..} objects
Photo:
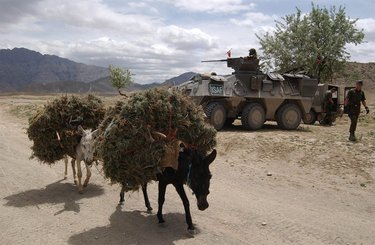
[
  {"x": 81, "y": 131},
  {"x": 210, "y": 158}
]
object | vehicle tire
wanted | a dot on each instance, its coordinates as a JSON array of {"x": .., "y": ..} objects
[
  {"x": 229, "y": 121},
  {"x": 310, "y": 118},
  {"x": 216, "y": 114},
  {"x": 253, "y": 116},
  {"x": 288, "y": 116}
]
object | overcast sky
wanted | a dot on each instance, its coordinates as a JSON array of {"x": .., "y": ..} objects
[{"x": 160, "y": 38}]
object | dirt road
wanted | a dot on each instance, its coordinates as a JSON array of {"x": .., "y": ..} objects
[{"x": 314, "y": 195}]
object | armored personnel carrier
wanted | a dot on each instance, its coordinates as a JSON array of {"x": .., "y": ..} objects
[{"x": 252, "y": 96}]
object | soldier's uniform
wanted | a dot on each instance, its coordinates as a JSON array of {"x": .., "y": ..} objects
[
  {"x": 355, "y": 98},
  {"x": 252, "y": 54},
  {"x": 328, "y": 108}
]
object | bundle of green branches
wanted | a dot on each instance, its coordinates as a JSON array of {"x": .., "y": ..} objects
[
  {"x": 110, "y": 114},
  {"x": 128, "y": 155},
  {"x": 53, "y": 129}
]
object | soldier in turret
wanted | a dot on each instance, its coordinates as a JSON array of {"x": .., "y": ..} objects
[
  {"x": 353, "y": 102},
  {"x": 252, "y": 54}
]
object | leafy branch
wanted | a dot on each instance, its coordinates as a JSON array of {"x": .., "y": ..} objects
[{"x": 314, "y": 42}]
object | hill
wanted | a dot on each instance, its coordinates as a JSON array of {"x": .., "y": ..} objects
[
  {"x": 101, "y": 85},
  {"x": 358, "y": 71},
  {"x": 24, "y": 70},
  {"x": 20, "y": 67}
]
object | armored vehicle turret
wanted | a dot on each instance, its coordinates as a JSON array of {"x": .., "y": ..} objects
[{"x": 251, "y": 95}]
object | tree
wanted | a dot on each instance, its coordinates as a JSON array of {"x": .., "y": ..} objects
[
  {"x": 314, "y": 42},
  {"x": 120, "y": 78}
]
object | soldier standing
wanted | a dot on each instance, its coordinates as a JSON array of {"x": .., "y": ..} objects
[
  {"x": 353, "y": 102},
  {"x": 329, "y": 107}
]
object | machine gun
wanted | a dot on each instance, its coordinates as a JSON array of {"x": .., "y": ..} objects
[
  {"x": 208, "y": 61},
  {"x": 239, "y": 65}
]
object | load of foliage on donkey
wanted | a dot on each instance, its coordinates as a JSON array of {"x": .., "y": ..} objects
[
  {"x": 54, "y": 128},
  {"x": 137, "y": 136}
]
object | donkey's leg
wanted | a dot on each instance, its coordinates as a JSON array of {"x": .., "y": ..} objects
[
  {"x": 181, "y": 192},
  {"x": 122, "y": 196},
  {"x": 66, "y": 167},
  {"x": 147, "y": 202},
  {"x": 88, "y": 175},
  {"x": 73, "y": 162},
  {"x": 79, "y": 170},
  {"x": 161, "y": 199}
]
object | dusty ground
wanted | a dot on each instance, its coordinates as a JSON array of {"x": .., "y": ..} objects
[{"x": 321, "y": 192}]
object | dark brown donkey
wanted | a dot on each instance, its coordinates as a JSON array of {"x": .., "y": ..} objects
[{"x": 193, "y": 170}]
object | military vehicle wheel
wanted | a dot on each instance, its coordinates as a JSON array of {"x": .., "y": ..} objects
[
  {"x": 229, "y": 121},
  {"x": 288, "y": 116},
  {"x": 216, "y": 114},
  {"x": 253, "y": 116},
  {"x": 310, "y": 118}
]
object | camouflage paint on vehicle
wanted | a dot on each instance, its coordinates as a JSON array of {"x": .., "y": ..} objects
[{"x": 252, "y": 96}]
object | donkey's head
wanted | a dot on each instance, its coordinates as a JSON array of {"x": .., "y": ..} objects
[
  {"x": 88, "y": 144},
  {"x": 200, "y": 176}
]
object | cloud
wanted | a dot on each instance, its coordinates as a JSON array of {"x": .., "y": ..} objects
[
  {"x": 368, "y": 26},
  {"x": 155, "y": 62},
  {"x": 14, "y": 11},
  {"x": 95, "y": 33},
  {"x": 186, "y": 39},
  {"x": 364, "y": 52},
  {"x": 257, "y": 21},
  {"x": 149, "y": 37},
  {"x": 18, "y": 15},
  {"x": 91, "y": 14},
  {"x": 94, "y": 14},
  {"x": 144, "y": 6},
  {"x": 212, "y": 6}
]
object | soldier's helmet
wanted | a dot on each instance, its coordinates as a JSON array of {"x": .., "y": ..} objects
[{"x": 252, "y": 52}]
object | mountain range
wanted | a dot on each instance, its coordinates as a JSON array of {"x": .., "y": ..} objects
[{"x": 24, "y": 70}]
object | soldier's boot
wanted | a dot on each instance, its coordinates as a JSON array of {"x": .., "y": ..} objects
[{"x": 352, "y": 137}]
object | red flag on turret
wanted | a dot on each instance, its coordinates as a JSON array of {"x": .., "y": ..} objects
[{"x": 229, "y": 53}]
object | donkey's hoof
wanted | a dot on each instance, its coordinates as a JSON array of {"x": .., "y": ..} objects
[
  {"x": 162, "y": 225},
  {"x": 191, "y": 231},
  {"x": 121, "y": 204},
  {"x": 161, "y": 220},
  {"x": 149, "y": 209},
  {"x": 75, "y": 182},
  {"x": 65, "y": 177},
  {"x": 85, "y": 185},
  {"x": 80, "y": 191}
]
